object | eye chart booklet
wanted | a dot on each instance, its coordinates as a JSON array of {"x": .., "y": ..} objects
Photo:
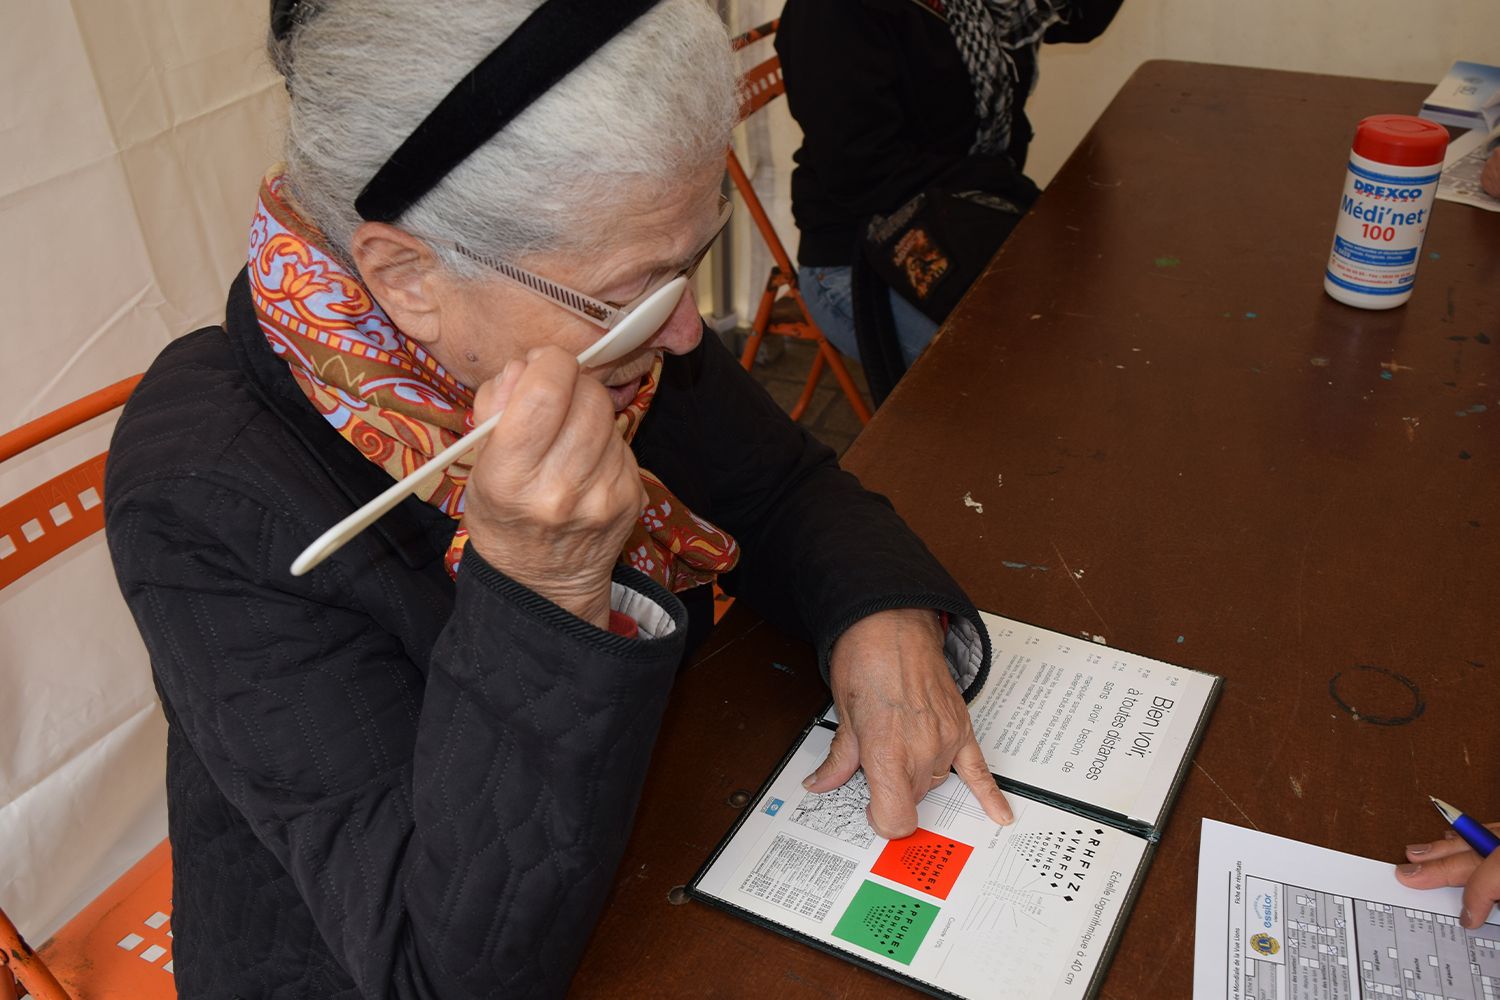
[
  {"x": 1280, "y": 918},
  {"x": 1090, "y": 744}
]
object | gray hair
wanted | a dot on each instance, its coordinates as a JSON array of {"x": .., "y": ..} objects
[{"x": 651, "y": 106}]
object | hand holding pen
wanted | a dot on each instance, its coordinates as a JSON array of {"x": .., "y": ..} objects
[{"x": 1465, "y": 856}]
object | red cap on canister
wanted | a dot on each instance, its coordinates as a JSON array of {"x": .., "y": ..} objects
[{"x": 1401, "y": 140}]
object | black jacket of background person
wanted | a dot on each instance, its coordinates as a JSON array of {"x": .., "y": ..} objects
[
  {"x": 885, "y": 104},
  {"x": 385, "y": 783}
]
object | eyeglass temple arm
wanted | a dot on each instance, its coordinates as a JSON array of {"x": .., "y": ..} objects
[{"x": 596, "y": 312}]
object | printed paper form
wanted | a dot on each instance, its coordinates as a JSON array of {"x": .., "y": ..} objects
[
  {"x": 1281, "y": 919},
  {"x": 976, "y": 909},
  {"x": 1084, "y": 721},
  {"x": 1462, "y": 166}
]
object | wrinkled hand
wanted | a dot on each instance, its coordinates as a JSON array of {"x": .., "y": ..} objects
[
  {"x": 555, "y": 489},
  {"x": 902, "y": 719},
  {"x": 1489, "y": 179},
  {"x": 1450, "y": 861}
]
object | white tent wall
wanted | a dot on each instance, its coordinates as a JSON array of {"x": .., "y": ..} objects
[{"x": 135, "y": 135}]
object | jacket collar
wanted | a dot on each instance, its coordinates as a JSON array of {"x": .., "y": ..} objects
[{"x": 417, "y": 531}]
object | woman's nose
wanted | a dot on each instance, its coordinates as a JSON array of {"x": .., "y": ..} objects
[{"x": 683, "y": 329}]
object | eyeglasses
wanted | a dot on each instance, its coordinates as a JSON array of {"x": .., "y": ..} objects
[{"x": 597, "y": 311}]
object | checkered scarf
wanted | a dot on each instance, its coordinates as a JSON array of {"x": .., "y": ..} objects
[{"x": 987, "y": 32}]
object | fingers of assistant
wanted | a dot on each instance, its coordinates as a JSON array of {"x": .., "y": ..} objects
[
  {"x": 1482, "y": 892},
  {"x": 1480, "y": 880},
  {"x": 1490, "y": 177},
  {"x": 1449, "y": 844}
]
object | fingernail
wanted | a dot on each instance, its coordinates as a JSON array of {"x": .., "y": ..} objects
[
  {"x": 1463, "y": 916},
  {"x": 1407, "y": 871},
  {"x": 807, "y": 782},
  {"x": 1007, "y": 817},
  {"x": 1418, "y": 849}
]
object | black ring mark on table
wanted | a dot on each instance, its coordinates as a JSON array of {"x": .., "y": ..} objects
[{"x": 1418, "y": 705}]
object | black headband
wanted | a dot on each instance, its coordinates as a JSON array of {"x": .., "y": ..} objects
[
  {"x": 286, "y": 15},
  {"x": 555, "y": 40}
]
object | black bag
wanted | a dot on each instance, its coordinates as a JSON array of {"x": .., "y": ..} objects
[{"x": 932, "y": 248}]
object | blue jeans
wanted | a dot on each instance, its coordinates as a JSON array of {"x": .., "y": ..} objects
[{"x": 826, "y": 290}]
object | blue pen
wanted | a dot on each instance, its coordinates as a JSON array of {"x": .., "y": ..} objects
[{"x": 1475, "y": 833}]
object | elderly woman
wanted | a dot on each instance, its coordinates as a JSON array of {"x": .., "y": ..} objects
[{"x": 412, "y": 771}]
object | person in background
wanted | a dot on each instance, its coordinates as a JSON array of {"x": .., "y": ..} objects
[
  {"x": 412, "y": 771},
  {"x": 1451, "y": 862},
  {"x": 889, "y": 95}
]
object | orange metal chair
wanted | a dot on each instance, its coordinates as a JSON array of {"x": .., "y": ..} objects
[
  {"x": 120, "y": 946},
  {"x": 786, "y": 314}
]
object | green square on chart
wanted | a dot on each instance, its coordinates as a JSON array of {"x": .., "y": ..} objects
[{"x": 887, "y": 922}]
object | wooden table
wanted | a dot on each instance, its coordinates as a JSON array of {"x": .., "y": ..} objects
[{"x": 1182, "y": 445}]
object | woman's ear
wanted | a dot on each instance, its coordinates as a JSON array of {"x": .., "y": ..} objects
[{"x": 401, "y": 272}]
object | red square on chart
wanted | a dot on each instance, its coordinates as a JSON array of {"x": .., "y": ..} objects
[{"x": 924, "y": 861}]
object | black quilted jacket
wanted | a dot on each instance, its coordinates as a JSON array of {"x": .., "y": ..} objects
[{"x": 383, "y": 783}]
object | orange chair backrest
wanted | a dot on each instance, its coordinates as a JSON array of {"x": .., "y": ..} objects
[
  {"x": 760, "y": 85},
  {"x": 67, "y": 508}
]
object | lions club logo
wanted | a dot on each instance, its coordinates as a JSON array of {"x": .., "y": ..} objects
[{"x": 1265, "y": 944}]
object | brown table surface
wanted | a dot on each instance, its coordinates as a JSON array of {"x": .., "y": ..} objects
[{"x": 1182, "y": 445}]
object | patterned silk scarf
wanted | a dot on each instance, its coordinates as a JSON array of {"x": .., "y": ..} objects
[{"x": 392, "y": 400}]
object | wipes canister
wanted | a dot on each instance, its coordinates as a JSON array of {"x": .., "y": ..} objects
[{"x": 1384, "y": 211}]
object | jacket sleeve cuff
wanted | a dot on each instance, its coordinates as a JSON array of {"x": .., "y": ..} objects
[
  {"x": 966, "y": 648},
  {"x": 657, "y": 613},
  {"x": 649, "y": 617},
  {"x": 966, "y": 643}
]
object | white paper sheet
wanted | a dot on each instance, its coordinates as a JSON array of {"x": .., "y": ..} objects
[
  {"x": 1462, "y": 166},
  {"x": 1283, "y": 920}
]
